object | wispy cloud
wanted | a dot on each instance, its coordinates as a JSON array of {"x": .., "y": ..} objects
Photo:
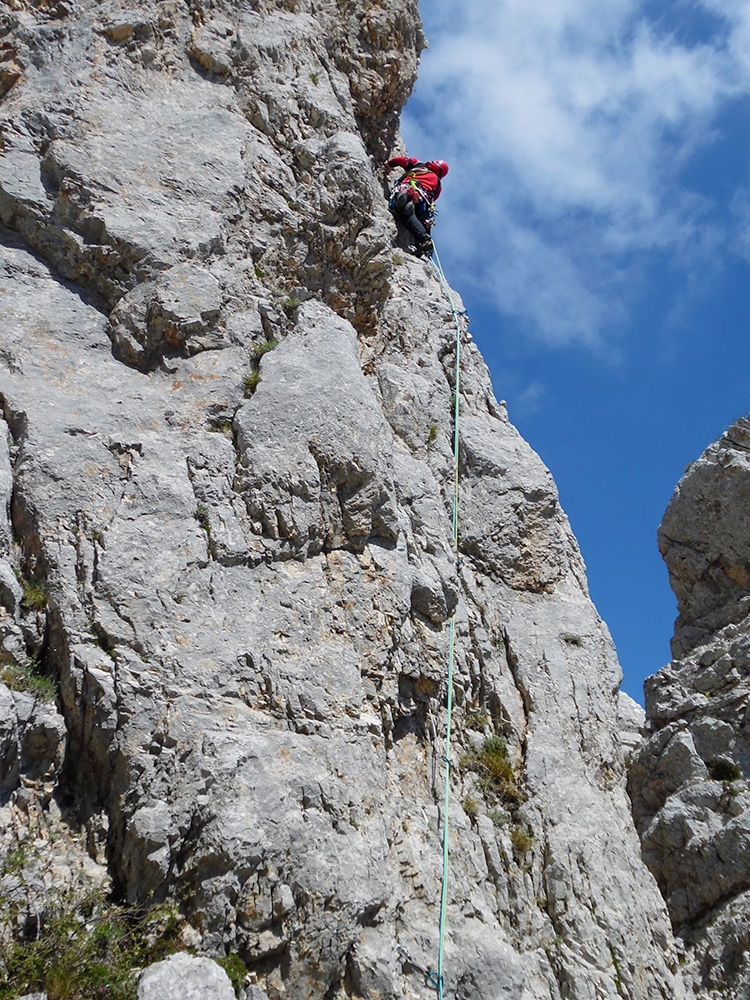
[
  {"x": 740, "y": 208},
  {"x": 530, "y": 400},
  {"x": 568, "y": 125}
]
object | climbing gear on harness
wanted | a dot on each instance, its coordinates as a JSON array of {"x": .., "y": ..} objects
[{"x": 409, "y": 185}]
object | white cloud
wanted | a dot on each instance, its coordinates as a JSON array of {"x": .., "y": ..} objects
[
  {"x": 740, "y": 208},
  {"x": 567, "y": 123},
  {"x": 530, "y": 400}
]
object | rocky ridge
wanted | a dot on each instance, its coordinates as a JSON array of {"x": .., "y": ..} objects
[
  {"x": 689, "y": 784},
  {"x": 226, "y": 472}
]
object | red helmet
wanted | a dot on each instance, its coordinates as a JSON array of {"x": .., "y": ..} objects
[{"x": 439, "y": 167}]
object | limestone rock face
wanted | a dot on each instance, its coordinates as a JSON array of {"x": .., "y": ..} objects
[
  {"x": 226, "y": 474},
  {"x": 689, "y": 785},
  {"x": 632, "y": 720},
  {"x": 183, "y": 977},
  {"x": 705, "y": 541}
]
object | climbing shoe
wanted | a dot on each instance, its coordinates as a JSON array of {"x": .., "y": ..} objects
[{"x": 426, "y": 249}]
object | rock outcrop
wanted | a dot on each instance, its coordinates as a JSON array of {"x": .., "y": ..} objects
[
  {"x": 689, "y": 785},
  {"x": 183, "y": 977},
  {"x": 226, "y": 473}
]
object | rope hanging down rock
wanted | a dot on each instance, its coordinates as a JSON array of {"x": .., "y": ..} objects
[{"x": 438, "y": 980}]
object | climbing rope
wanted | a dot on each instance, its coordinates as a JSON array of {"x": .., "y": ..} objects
[{"x": 438, "y": 980}]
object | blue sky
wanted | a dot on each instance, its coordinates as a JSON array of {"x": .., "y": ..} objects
[{"x": 596, "y": 221}]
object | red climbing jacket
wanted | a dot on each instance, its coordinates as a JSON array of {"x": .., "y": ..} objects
[{"x": 422, "y": 178}]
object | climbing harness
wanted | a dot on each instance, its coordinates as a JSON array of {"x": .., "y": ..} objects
[
  {"x": 409, "y": 182},
  {"x": 438, "y": 980},
  {"x": 424, "y": 204}
]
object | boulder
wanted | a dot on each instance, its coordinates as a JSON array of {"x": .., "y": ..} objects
[{"x": 185, "y": 977}]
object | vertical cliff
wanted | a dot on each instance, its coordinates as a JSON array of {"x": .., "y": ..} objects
[
  {"x": 226, "y": 475},
  {"x": 690, "y": 782}
]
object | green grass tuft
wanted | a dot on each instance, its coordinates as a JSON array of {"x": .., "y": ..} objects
[
  {"x": 471, "y": 806},
  {"x": 260, "y": 349},
  {"x": 477, "y": 721},
  {"x": 521, "y": 840},
  {"x": 201, "y": 516},
  {"x": 289, "y": 303},
  {"x": 572, "y": 639},
  {"x": 497, "y": 777},
  {"x": 236, "y": 969},
  {"x": 87, "y": 947},
  {"x": 35, "y": 595},
  {"x": 27, "y": 677},
  {"x": 250, "y": 382}
]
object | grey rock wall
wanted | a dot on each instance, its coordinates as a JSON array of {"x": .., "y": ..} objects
[
  {"x": 227, "y": 403},
  {"x": 689, "y": 784}
]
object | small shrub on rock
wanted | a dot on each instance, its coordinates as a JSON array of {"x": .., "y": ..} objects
[
  {"x": 35, "y": 595},
  {"x": 201, "y": 516},
  {"x": 521, "y": 840},
  {"x": 236, "y": 969},
  {"x": 497, "y": 777},
  {"x": 471, "y": 807},
  {"x": 477, "y": 720},
  {"x": 724, "y": 770},
  {"x": 251, "y": 380},
  {"x": 84, "y": 947}
]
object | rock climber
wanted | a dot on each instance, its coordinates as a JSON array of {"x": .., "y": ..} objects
[{"x": 413, "y": 196}]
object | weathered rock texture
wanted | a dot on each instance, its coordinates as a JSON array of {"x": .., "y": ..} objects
[
  {"x": 183, "y": 977},
  {"x": 689, "y": 785},
  {"x": 226, "y": 458}
]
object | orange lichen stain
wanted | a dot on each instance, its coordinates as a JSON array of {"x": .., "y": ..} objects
[
  {"x": 92, "y": 469},
  {"x": 738, "y": 574}
]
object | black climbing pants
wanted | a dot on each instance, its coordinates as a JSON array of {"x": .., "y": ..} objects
[{"x": 407, "y": 212}]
